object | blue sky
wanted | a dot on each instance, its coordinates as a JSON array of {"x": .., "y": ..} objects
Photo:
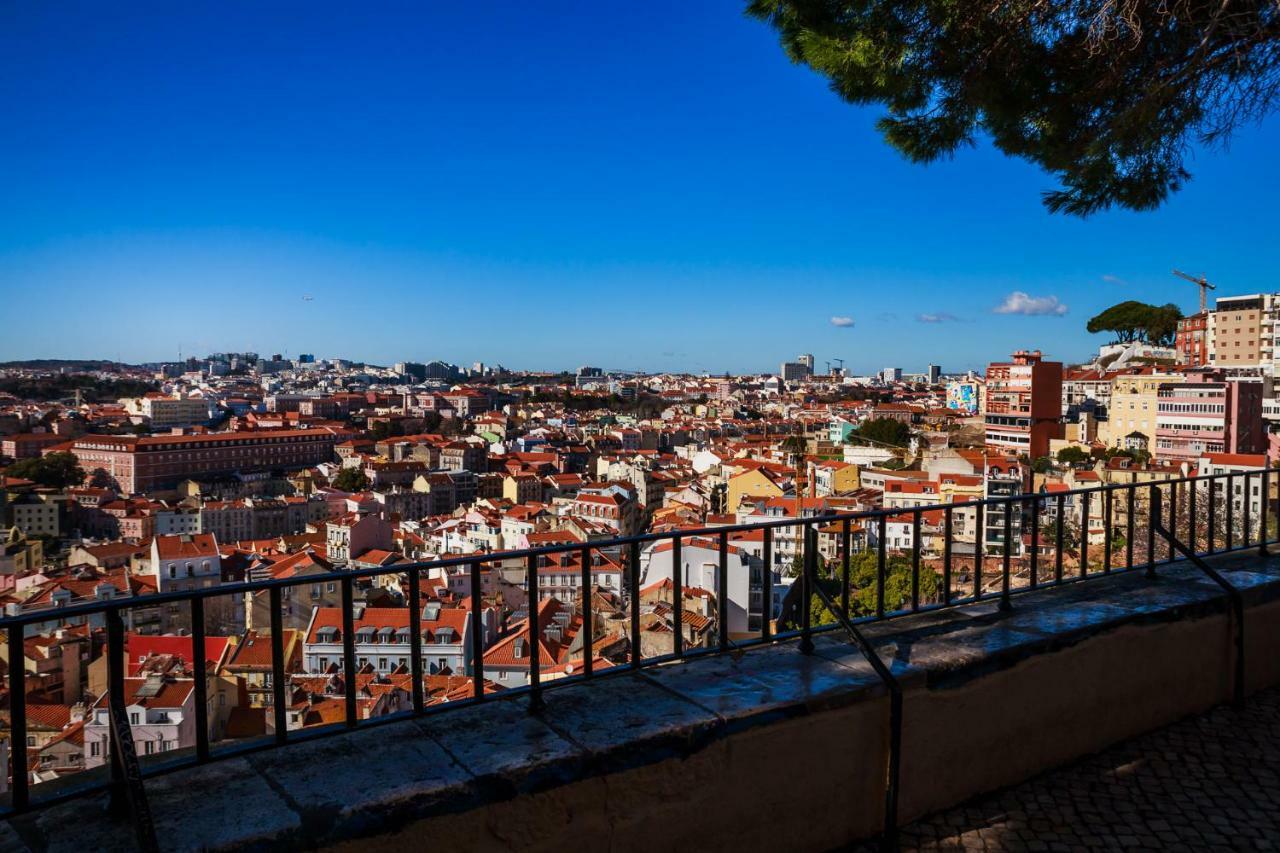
[{"x": 543, "y": 185}]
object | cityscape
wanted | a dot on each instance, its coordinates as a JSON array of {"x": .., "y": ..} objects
[{"x": 772, "y": 425}]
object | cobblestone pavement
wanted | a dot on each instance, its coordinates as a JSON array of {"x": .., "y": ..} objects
[{"x": 1208, "y": 783}]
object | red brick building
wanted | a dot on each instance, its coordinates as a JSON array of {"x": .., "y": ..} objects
[
  {"x": 144, "y": 464},
  {"x": 1023, "y": 404},
  {"x": 1192, "y": 342}
]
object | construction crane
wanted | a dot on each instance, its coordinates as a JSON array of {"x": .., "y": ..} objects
[{"x": 1204, "y": 285}]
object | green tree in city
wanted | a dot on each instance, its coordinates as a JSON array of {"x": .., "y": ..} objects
[
  {"x": 351, "y": 480},
  {"x": 56, "y": 470},
  {"x": 1138, "y": 321},
  {"x": 885, "y": 431},
  {"x": 1109, "y": 97},
  {"x": 1073, "y": 455},
  {"x": 863, "y": 568},
  {"x": 1042, "y": 465}
]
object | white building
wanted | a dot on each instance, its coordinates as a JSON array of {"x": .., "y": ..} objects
[
  {"x": 161, "y": 713},
  {"x": 382, "y": 638},
  {"x": 700, "y": 567}
]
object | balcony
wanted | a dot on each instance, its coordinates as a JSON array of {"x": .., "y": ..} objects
[{"x": 808, "y": 737}]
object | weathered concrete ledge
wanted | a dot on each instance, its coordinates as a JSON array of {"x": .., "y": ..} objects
[{"x": 765, "y": 750}]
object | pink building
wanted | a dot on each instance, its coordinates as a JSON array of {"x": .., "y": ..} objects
[{"x": 1209, "y": 415}]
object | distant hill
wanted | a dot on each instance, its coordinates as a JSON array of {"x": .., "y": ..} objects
[{"x": 71, "y": 364}]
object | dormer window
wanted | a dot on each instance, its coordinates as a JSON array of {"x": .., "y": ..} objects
[
  {"x": 517, "y": 648},
  {"x": 364, "y": 635},
  {"x": 431, "y": 612},
  {"x": 327, "y": 634},
  {"x": 386, "y": 635},
  {"x": 446, "y": 635}
]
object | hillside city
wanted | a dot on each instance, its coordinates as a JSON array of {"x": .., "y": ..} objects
[{"x": 129, "y": 481}]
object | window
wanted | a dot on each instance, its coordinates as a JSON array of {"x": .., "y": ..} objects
[
  {"x": 95, "y": 748},
  {"x": 149, "y": 747}
]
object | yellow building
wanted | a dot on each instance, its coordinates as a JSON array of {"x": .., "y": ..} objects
[
  {"x": 1133, "y": 407},
  {"x": 753, "y": 483}
]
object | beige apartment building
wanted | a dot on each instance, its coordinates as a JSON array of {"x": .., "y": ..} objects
[
  {"x": 1133, "y": 408},
  {"x": 1242, "y": 330}
]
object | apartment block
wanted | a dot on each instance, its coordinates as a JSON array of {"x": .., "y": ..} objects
[
  {"x": 1209, "y": 414},
  {"x": 1023, "y": 408}
]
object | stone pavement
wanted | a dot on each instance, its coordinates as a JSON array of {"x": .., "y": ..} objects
[{"x": 1208, "y": 783}]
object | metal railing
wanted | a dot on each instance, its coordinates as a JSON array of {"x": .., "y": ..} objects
[{"x": 1163, "y": 502}]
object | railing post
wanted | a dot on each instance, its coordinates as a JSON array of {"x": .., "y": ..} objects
[
  {"x": 846, "y": 557},
  {"x": 536, "y": 703},
  {"x": 1060, "y": 544},
  {"x": 477, "y": 631},
  {"x": 979, "y": 545},
  {"x": 1153, "y": 520},
  {"x": 1084, "y": 533},
  {"x": 588, "y": 640},
  {"x": 417, "y": 694},
  {"x": 915, "y": 559},
  {"x": 1264, "y": 509},
  {"x": 722, "y": 596},
  {"x": 946, "y": 556},
  {"x": 349, "y": 650},
  {"x": 279, "y": 719},
  {"x": 677, "y": 597},
  {"x": 808, "y": 579},
  {"x": 880, "y": 566},
  {"x": 1213, "y": 514},
  {"x": 1007, "y": 564},
  {"x": 20, "y": 795},
  {"x": 1128, "y": 528},
  {"x": 201, "y": 670},
  {"x": 1034, "y": 572},
  {"x": 766, "y": 616},
  {"x": 633, "y": 583},
  {"x": 1108, "y": 513}
]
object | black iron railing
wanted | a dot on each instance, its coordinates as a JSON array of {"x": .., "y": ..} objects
[{"x": 1174, "y": 518}]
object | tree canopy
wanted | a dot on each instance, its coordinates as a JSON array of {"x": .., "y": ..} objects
[
  {"x": 1138, "y": 321},
  {"x": 57, "y": 470},
  {"x": 885, "y": 431},
  {"x": 351, "y": 480},
  {"x": 1107, "y": 96},
  {"x": 863, "y": 567}
]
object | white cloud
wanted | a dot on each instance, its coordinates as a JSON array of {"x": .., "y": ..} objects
[
  {"x": 1113, "y": 279},
  {"x": 842, "y": 322},
  {"x": 937, "y": 317},
  {"x": 1031, "y": 306}
]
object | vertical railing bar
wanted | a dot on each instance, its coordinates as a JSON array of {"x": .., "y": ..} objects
[
  {"x": 201, "y": 669},
  {"x": 477, "y": 629},
  {"x": 808, "y": 579},
  {"x": 417, "y": 693},
  {"x": 633, "y": 580},
  {"x": 20, "y": 797},
  {"x": 1194, "y": 532},
  {"x": 1212, "y": 500},
  {"x": 915, "y": 559},
  {"x": 1128, "y": 530},
  {"x": 766, "y": 620},
  {"x": 1084, "y": 533},
  {"x": 1229, "y": 538},
  {"x": 1173, "y": 517},
  {"x": 588, "y": 640},
  {"x": 1034, "y": 572},
  {"x": 349, "y": 649},
  {"x": 946, "y": 556},
  {"x": 846, "y": 544},
  {"x": 677, "y": 597},
  {"x": 1264, "y": 508},
  {"x": 535, "y": 636},
  {"x": 979, "y": 541},
  {"x": 1153, "y": 521},
  {"x": 1246, "y": 528},
  {"x": 1060, "y": 537},
  {"x": 880, "y": 565},
  {"x": 1006, "y": 568},
  {"x": 722, "y": 596},
  {"x": 1108, "y": 513},
  {"x": 278, "y": 716}
]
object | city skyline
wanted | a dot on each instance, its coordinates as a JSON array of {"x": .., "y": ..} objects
[{"x": 524, "y": 201}]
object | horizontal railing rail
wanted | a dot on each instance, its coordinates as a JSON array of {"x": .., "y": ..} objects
[{"x": 1007, "y": 530}]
